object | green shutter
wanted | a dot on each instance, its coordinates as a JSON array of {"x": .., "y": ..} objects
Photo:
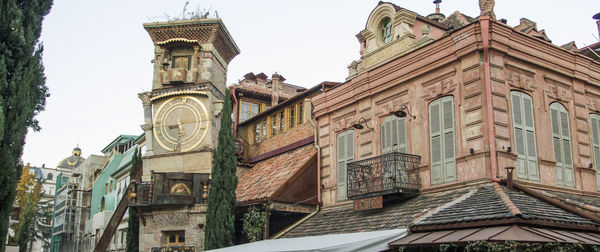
[
  {"x": 402, "y": 135},
  {"x": 524, "y": 130},
  {"x": 561, "y": 139},
  {"x": 449, "y": 145},
  {"x": 393, "y": 135},
  {"x": 435, "y": 143},
  {"x": 596, "y": 146},
  {"x": 442, "y": 140},
  {"x": 345, "y": 154}
]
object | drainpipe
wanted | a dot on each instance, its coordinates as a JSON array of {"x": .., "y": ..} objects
[
  {"x": 235, "y": 111},
  {"x": 316, "y": 143},
  {"x": 484, "y": 22}
]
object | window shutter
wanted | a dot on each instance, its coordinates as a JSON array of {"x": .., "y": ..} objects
[
  {"x": 556, "y": 143},
  {"x": 524, "y": 131},
  {"x": 435, "y": 142},
  {"x": 532, "y": 167},
  {"x": 385, "y": 141},
  {"x": 393, "y": 135},
  {"x": 345, "y": 147},
  {"x": 341, "y": 148},
  {"x": 596, "y": 146},
  {"x": 449, "y": 145},
  {"x": 567, "y": 154},
  {"x": 402, "y": 135}
]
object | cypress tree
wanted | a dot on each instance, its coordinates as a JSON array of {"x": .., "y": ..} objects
[
  {"x": 133, "y": 227},
  {"x": 220, "y": 231},
  {"x": 22, "y": 91}
]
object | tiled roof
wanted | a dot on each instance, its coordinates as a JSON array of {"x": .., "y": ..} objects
[
  {"x": 578, "y": 199},
  {"x": 457, "y": 20},
  {"x": 392, "y": 216},
  {"x": 258, "y": 89},
  {"x": 533, "y": 208},
  {"x": 486, "y": 204},
  {"x": 269, "y": 176},
  {"x": 483, "y": 204}
]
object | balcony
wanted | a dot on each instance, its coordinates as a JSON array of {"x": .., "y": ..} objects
[
  {"x": 389, "y": 174},
  {"x": 172, "y": 188},
  {"x": 174, "y": 76}
]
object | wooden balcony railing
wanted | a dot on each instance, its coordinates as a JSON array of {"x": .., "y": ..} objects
[
  {"x": 390, "y": 173},
  {"x": 172, "y": 188}
]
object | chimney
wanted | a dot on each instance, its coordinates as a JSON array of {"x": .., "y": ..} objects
[
  {"x": 597, "y": 17},
  {"x": 509, "y": 177},
  {"x": 277, "y": 81}
]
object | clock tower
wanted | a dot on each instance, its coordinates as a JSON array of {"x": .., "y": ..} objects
[{"x": 182, "y": 116}]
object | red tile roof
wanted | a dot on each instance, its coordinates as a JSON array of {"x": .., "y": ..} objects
[{"x": 269, "y": 176}]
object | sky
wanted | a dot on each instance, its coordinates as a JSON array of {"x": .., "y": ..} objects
[{"x": 97, "y": 54}]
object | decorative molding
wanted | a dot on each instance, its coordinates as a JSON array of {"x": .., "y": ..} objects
[
  {"x": 520, "y": 78},
  {"x": 442, "y": 85}
]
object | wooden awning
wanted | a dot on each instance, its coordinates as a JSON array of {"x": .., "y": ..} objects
[{"x": 516, "y": 233}]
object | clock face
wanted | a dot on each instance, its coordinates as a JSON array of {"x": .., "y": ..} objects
[{"x": 180, "y": 123}]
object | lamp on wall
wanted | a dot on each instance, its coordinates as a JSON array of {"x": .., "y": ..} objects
[
  {"x": 403, "y": 111},
  {"x": 358, "y": 125}
]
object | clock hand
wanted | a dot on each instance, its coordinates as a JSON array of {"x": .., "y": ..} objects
[{"x": 181, "y": 132}]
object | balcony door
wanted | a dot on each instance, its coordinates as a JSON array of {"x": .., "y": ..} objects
[{"x": 393, "y": 135}]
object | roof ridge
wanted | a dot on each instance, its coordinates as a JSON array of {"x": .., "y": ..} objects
[
  {"x": 444, "y": 206},
  {"x": 572, "y": 202},
  {"x": 506, "y": 200}
]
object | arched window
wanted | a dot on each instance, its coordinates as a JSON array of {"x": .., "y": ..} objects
[
  {"x": 393, "y": 135},
  {"x": 561, "y": 141},
  {"x": 442, "y": 140},
  {"x": 386, "y": 30},
  {"x": 596, "y": 146},
  {"x": 524, "y": 130},
  {"x": 49, "y": 176},
  {"x": 345, "y": 154}
]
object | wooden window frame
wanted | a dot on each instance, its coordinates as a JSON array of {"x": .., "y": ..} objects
[
  {"x": 189, "y": 63},
  {"x": 178, "y": 235}
]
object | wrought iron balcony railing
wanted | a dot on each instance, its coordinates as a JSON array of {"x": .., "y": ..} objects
[{"x": 386, "y": 174}]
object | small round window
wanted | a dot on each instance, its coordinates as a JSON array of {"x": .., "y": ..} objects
[{"x": 386, "y": 30}]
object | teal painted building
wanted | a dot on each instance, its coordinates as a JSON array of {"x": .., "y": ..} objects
[{"x": 107, "y": 189}]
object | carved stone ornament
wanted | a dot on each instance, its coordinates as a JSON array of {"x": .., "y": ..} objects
[
  {"x": 593, "y": 103},
  {"x": 439, "y": 88},
  {"x": 520, "y": 80},
  {"x": 559, "y": 93},
  {"x": 487, "y": 8}
]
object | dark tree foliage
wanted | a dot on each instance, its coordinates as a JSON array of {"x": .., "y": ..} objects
[
  {"x": 133, "y": 228},
  {"x": 24, "y": 233},
  {"x": 220, "y": 231},
  {"x": 22, "y": 91}
]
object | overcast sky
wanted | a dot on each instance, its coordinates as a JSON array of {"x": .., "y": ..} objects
[{"x": 97, "y": 55}]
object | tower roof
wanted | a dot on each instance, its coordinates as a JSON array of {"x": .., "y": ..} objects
[{"x": 194, "y": 31}]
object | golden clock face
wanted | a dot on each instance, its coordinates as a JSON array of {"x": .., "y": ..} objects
[{"x": 180, "y": 123}]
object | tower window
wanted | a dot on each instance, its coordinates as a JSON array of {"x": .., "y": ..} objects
[{"x": 181, "y": 62}]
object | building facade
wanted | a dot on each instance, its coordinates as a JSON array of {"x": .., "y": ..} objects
[
  {"x": 433, "y": 113},
  {"x": 107, "y": 188}
]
